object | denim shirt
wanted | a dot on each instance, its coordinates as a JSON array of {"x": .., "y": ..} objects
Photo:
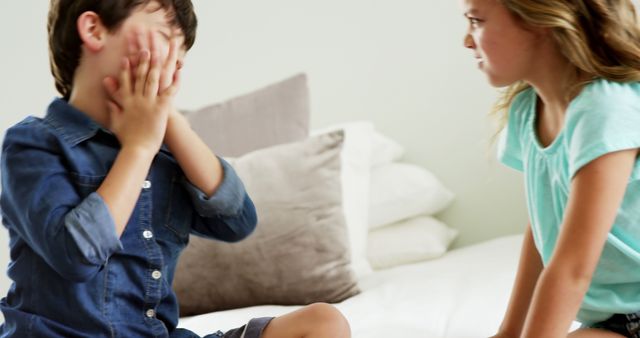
[{"x": 72, "y": 275}]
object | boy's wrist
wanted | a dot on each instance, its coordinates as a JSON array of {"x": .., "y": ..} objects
[
  {"x": 175, "y": 123},
  {"x": 176, "y": 117},
  {"x": 141, "y": 152}
]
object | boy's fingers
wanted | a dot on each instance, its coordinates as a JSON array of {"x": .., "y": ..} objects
[
  {"x": 113, "y": 107},
  {"x": 153, "y": 44},
  {"x": 111, "y": 85},
  {"x": 170, "y": 64},
  {"x": 125, "y": 76},
  {"x": 175, "y": 85},
  {"x": 133, "y": 50},
  {"x": 141, "y": 74},
  {"x": 141, "y": 38},
  {"x": 153, "y": 77},
  {"x": 175, "y": 48}
]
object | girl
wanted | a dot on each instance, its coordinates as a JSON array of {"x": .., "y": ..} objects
[{"x": 573, "y": 100}]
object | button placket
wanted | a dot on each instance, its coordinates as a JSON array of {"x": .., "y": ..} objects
[{"x": 153, "y": 253}]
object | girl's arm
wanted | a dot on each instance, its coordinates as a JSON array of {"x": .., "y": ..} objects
[
  {"x": 529, "y": 269},
  {"x": 596, "y": 193}
]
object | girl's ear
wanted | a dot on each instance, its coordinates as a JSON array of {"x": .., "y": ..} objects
[{"x": 91, "y": 30}]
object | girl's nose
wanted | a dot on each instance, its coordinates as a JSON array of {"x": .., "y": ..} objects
[{"x": 468, "y": 42}]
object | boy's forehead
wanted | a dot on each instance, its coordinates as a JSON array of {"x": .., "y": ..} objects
[
  {"x": 153, "y": 16},
  {"x": 157, "y": 14}
]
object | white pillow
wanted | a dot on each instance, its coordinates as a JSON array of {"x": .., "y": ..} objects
[
  {"x": 400, "y": 191},
  {"x": 385, "y": 150},
  {"x": 356, "y": 177},
  {"x": 410, "y": 241}
]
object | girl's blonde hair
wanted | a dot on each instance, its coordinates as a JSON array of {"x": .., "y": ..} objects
[{"x": 601, "y": 38}]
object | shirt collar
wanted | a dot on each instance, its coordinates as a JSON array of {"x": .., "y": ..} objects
[{"x": 73, "y": 125}]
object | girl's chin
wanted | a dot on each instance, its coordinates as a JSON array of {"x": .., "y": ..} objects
[{"x": 498, "y": 83}]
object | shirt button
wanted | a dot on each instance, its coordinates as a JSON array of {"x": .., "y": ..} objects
[
  {"x": 146, "y": 184},
  {"x": 150, "y": 313},
  {"x": 147, "y": 234},
  {"x": 156, "y": 274}
]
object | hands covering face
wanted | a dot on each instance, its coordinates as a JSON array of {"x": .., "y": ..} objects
[{"x": 141, "y": 98}]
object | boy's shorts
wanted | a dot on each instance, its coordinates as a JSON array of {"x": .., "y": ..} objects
[
  {"x": 627, "y": 325},
  {"x": 253, "y": 329}
]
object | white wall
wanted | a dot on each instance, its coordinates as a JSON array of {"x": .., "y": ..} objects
[{"x": 398, "y": 63}]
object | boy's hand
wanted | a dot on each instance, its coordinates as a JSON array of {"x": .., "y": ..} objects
[
  {"x": 141, "y": 40},
  {"x": 141, "y": 103}
]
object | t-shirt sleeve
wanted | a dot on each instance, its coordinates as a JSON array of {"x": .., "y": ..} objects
[
  {"x": 509, "y": 150},
  {"x": 606, "y": 119}
]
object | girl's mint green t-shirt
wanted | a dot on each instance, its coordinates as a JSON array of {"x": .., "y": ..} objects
[{"x": 603, "y": 118}]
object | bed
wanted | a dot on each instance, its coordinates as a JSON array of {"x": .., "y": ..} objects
[
  {"x": 461, "y": 294},
  {"x": 385, "y": 219}
]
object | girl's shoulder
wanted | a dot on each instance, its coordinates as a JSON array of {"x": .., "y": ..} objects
[
  {"x": 603, "y": 101},
  {"x": 603, "y": 118},
  {"x": 606, "y": 93}
]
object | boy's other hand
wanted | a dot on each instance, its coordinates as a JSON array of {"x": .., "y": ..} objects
[
  {"x": 139, "y": 107},
  {"x": 141, "y": 39}
]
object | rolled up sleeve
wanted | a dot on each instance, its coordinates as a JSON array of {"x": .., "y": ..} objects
[
  {"x": 73, "y": 234},
  {"x": 227, "y": 200},
  {"x": 229, "y": 215},
  {"x": 93, "y": 229}
]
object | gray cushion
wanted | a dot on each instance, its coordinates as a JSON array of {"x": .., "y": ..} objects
[
  {"x": 298, "y": 254},
  {"x": 273, "y": 115}
]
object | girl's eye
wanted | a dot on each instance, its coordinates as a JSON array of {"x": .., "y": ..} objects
[{"x": 475, "y": 22}]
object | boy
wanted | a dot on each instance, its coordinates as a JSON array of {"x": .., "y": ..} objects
[{"x": 100, "y": 195}]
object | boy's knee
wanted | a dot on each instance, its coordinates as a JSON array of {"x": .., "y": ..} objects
[{"x": 328, "y": 314}]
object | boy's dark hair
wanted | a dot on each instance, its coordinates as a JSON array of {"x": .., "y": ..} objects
[{"x": 64, "y": 40}]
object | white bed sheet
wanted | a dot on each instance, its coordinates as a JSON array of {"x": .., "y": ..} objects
[{"x": 462, "y": 294}]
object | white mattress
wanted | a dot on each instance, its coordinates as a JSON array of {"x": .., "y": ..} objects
[{"x": 462, "y": 294}]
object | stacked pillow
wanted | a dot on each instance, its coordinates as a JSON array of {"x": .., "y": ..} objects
[
  {"x": 401, "y": 190},
  {"x": 403, "y": 199},
  {"x": 400, "y": 206}
]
